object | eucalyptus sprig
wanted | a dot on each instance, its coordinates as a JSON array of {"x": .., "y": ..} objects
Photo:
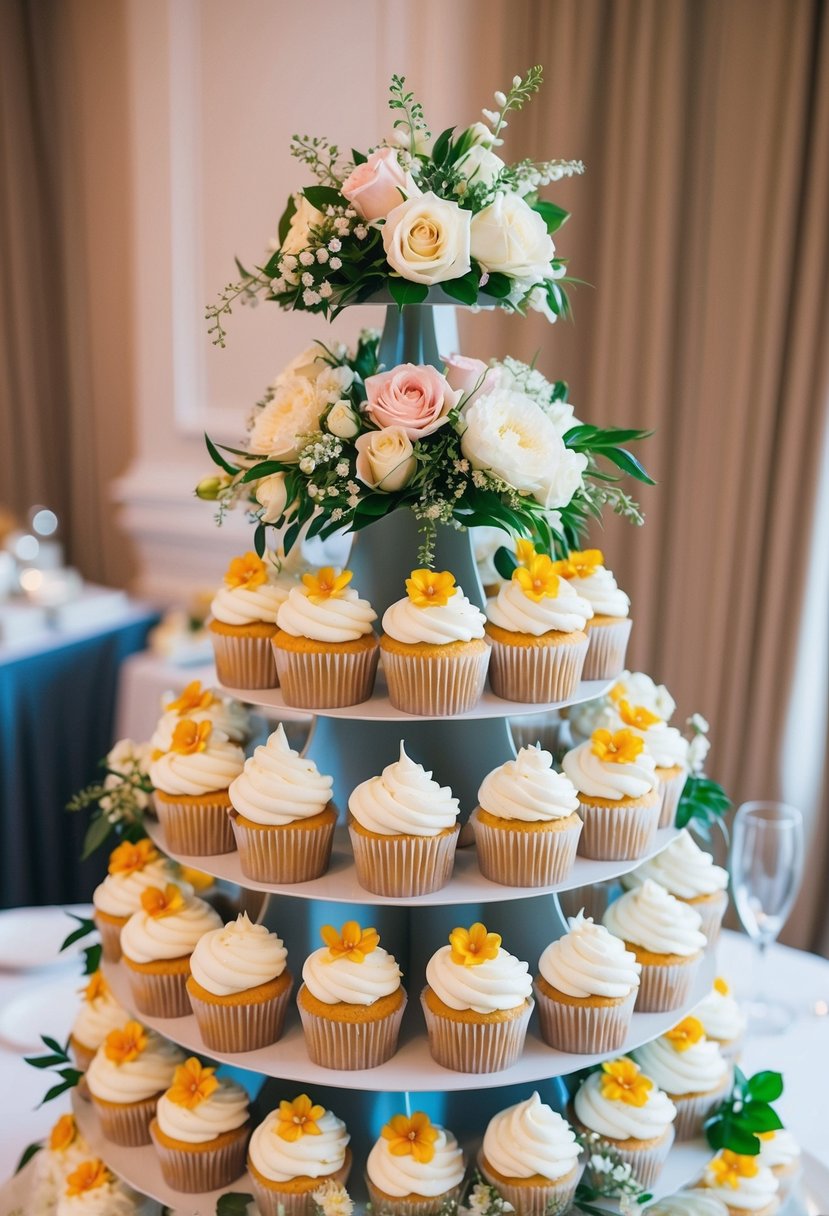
[
  {"x": 320, "y": 156},
  {"x": 702, "y": 803},
  {"x": 746, "y": 1112},
  {"x": 412, "y": 117},
  {"x": 58, "y": 1059}
]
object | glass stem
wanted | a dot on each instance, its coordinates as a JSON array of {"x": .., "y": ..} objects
[{"x": 760, "y": 971}]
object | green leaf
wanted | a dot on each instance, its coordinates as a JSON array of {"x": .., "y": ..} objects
[
  {"x": 264, "y": 469},
  {"x": 404, "y": 292},
  {"x": 233, "y": 1203},
  {"x": 628, "y": 464},
  {"x": 217, "y": 458},
  {"x": 441, "y": 146},
  {"x": 464, "y": 290},
  {"x": 765, "y": 1086},
  {"x": 92, "y": 959},
  {"x": 497, "y": 285},
  {"x": 44, "y": 1061},
  {"x": 27, "y": 1155},
  {"x": 560, "y": 391},
  {"x": 97, "y": 832},
  {"x": 504, "y": 562},
  {"x": 324, "y": 196},
  {"x": 85, "y": 927},
  {"x": 759, "y": 1117},
  {"x": 716, "y": 1131},
  {"x": 260, "y": 540},
  {"x": 285, "y": 219},
  {"x": 54, "y": 1045},
  {"x": 552, "y": 215},
  {"x": 359, "y": 158},
  {"x": 741, "y": 1141}
]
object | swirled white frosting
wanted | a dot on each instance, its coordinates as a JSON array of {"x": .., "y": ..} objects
[
  {"x": 95, "y": 1019},
  {"x": 249, "y": 605},
  {"x": 688, "y": 1203},
  {"x": 237, "y": 957},
  {"x": 341, "y": 618},
  {"x": 528, "y": 788},
  {"x": 120, "y": 894},
  {"x": 599, "y": 778},
  {"x": 149, "y": 1073},
  {"x": 458, "y": 620},
  {"x": 749, "y": 1195},
  {"x": 226, "y": 715},
  {"x": 589, "y": 961},
  {"x": 652, "y": 918},
  {"x": 223, "y": 1111},
  {"x": 148, "y": 939},
  {"x": 404, "y": 800},
  {"x": 399, "y": 1176},
  {"x": 635, "y": 687},
  {"x": 113, "y": 1198},
  {"x": 502, "y": 982},
  {"x": 667, "y": 746},
  {"x": 779, "y": 1149},
  {"x": 619, "y": 1120},
  {"x": 603, "y": 593},
  {"x": 530, "y": 1138},
  {"x": 335, "y": 978},
  {"x": 683, "y": 868},
  {"x": 699, "y": 1069},
  {"x": 306, "y": 1157},
  {"x": 279, "y": 786},
  {"x": 176, "y": 773},
  {"x": 565, "y": 612},
  {"x": 721, "y": 1016}
]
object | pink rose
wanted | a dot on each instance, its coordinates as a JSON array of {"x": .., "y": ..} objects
[
  {"x": 472, "y": 377},
  {"x": 418, "y": 399},
  {"x": 378, "y": 185}
]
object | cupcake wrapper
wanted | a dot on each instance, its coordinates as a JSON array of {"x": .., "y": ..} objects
[
  {"x": 83, "y": 1057},
  {"x": 525, "y": 859},
  {"x": 127, "y": 1125},
  {"x": 241, "y": 1027},
  {"x": 617, "y": 833},
  {"x": 549, "y": 1200},
  {"x": 351, "y": 1045},
  {"x": 647, "y": 1163},
  {"x": 476, "y": 1046},
  {"x": 244, "y": 662},
  {"x": 403, "y": 865},
  {"x": 584, "y": 1029},
  {"x": 664, "y": 988},
  {"x": 435, "y": 687},
  {"x": 160, "y": 996},
  {"x": 271, "y": 1202},
  {"x": 283, "y": 855},
  {"x": 328, "y": 680},
  {"x": 607, "y": 649},
  {"x": 203, "y": 1169},
  {"x": 671, "y": 794},
  {"x": 383, "y": 1206},
  {"x": 712, "y": 912},
  {"x": 536, "y": 674},
  {"x": 691, "y": 1113},
  {"x": 195, "y": 829},
  {"x": 110, "y": 939}
]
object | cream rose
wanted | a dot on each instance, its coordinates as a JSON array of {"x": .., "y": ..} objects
[
  {"x": 303, "y": 220},
  {"x": 471, "y": 376},
  {"x": 479, "y": 166},
  {"x": 385, "y": 459},
  {"x": 308, "y": 364},
  {"x": 426, "y": 239},
  {"x": 416, "y": 398},
  {"x": 272, "y": 496},
  {"x": 512, "y": 239},
  {"x": 342, "y": 420},
  {"x": 378, "y": 185},
  {"x": 293, "y": 412}
]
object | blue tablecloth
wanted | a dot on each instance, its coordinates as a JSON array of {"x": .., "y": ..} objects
[{"x": 56, "y": 720}]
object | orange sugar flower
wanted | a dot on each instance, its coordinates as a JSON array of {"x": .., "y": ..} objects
[
  {"x": 620, "y": 748},
  {"x": 525, "y": 551},
  {"x": 326, "y": 584},
  {"x": 192, "y": 1084},
  {"x": 129, "y": 858},
  {"x": 96, "y": 988},
  {"x": 473, "y": 946},
  {"x": 122, "y": 1046},
  {"x": 685, "y": 1034},
  {"x": 411, "y": 1136},
  {"x": 728, "y": 1168},
  {"x": 623, "y": 1081},
  {"x": 298, "y": 1118},
  {"x": 63, "y": 1133},
  {"x": 721, "y": 986},
  {"x": 636, "y": 715},
  {"x": 87, "y": 1177},
  {"x": 157, "y": 903},
  {"x": 190, "y": 737},
  {"x": 193, "y": 697},
  {"x": 352, "y": 942},
  {"x": 247, "y": 572},
  {"x": 538, "y": 579},
  {"x": 430, "y": 588}
]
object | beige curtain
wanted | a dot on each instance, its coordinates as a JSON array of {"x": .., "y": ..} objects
[{"x": 702, "y": 223}]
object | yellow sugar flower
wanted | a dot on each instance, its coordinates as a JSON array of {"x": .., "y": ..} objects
[
  {"x": 765, "y": 1135},
  {"x": 525, "y": 551},
  {"x": 411, "y": 1136},
  {"x": 63, "y": 1133},
  {"x": 623, "y": 1081},
  {"x": 196, "y": 878},
  {"x": 473, "y": 946},
  {"x": 352, "y": 942},
  {"x": 728, "y": 1168},
  {"x": 620, "y": 748},
  {"x": 248, "y": 572},
  {"x": 157, "y": 903},
  {"x": 122, "y": 1046},
  {"x": 190, "y": 737},
  {"x": 685, "y": 1034},
  {"x": 193, "y": 697},
  {"x": 299, "y": 1118},
  {"x": 87, "y": 1177},
  {"x": 721, "y": 986},
  {"x": 192, "y": 1084},
  {"x": 96, "y": 988},
  {"x": 581, "y": 563},
  {"x": 326, "y": 584},
  {"x": 129, "y": 858},
  {"x": 617, "y": 692},
  {"x": 636, "y": 715},
  {"x": 430, "y": 588},
  {"x": 538, "y": 579}
]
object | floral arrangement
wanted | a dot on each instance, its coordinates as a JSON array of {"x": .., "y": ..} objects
[
  {"x": 118, "y": 801},
  {"x": 414, "y": 212}
]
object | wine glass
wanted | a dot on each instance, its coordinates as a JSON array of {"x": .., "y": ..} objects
[{"x": 766, "y": 868}]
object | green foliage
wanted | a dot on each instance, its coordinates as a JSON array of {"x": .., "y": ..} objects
[
  {"x": 27, "y": 1155},
  {"x": 58, "y": 1060},
  {"x": 552, "y": 215},
  {"x": 703, "y": 802},
  {"x": 747, "y": 1111},
  {"x": 233, "y": 1203},
  {"x": 404, "y": 292},
  {"x": 85, "y": 927},
  {"x": 605, "y": 442},
  {"x": 410, "y": 112}
]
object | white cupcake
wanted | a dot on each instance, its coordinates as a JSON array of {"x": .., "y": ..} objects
[
  {"x": 619, "y": 801},
  {"x": 191, "y": 781},
  {"x": 298, "y": 1147},
  {"x": 691, "y": 1070},
  {"x": 622, "y": 1105},
  {"x": 531, "y": 1156},
  {"x": 689, "y": 874},
  {"x": 743, "y": 1184},
  {"x": 665, "y": 936},
  {"x": 415, "y": 1168},
  {"x": 723, "y": 1020},
  {"x": 608, "y": 630}
]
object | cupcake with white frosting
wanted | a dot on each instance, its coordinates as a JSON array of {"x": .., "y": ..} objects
[
  {"x": 586, "y": 988},
  {"x": 723, "y": 1020},
  {"x": 526, "y": 826},
  {"x": 156, "y": 945},
  {"x": 619, "y": 799},
  {"x": 634, "y": 686},
  {"x": 781, "y": 1153},
  {"x": 242, "y": 622},
  {"x": 626, "y": 1108},
  {"x": 403, "y": 827},
  {"x": 688, "y": 1203},
  {"x": 691, "y": 1070},
  {"x": 130, "y": 1071},
  {"x": 531, "y": 1156},
  {"x": 191, "y": 780},
  {"x": 536, "y": 627},
  {"x": 201, "y": 1129},
  {"x": 91, "y": 1189},
  {"x": 689, "y": 873},
  {"x": 477, "y": 1002},
  {"x": 133, "y": 866},
  {"x": 434, "y": 653},
  {"x": 666, "y": 938},
  {"x": 415, "y": 1168},
  {"x": 63, "y": 1151},
  {"x": 201, "y": 705},
  {"x": 326, "y": 650},
  {"x": 99, "y": 1013},
  {"x": 608, "y": 629},
  {"x": 298, "y": 1147},
  {"x": 351, "y": 1001},
  {"x": 668, "y": 747},
  {"x": 282, "y": 816},
  {"x": 239, "y": 986},
  {"x": 743, "y": 1184}
]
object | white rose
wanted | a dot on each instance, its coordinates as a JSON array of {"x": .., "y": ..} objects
[
  {"x": 479, "y": 166},
  {"x": 333, "y": 383},
  {"x": 512, "y": 239},
  {"x": 303, "y": 220},
  {"x": 698, "y": 750},
  {"x": 293, "y": 412},
  {"x": 342, "y": 420},
  {"x": 480, "y": 134},
  {"x": 271, "y": 494},
  {"x": 385, "y": 459},
  {"x": 122, "y": 758},
  {"x": 508, "y": 434},
  {"x": 427, "y": 239}
]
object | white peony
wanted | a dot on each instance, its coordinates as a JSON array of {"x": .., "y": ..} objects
[
  {"x": 303, "y": 220},
  {"x": 479, "y": 166},
  {"x": 426, "y": 239},
  {"x": 272, "y": 495},
  {"x": 512, "y": 239},
  {"x": 293, "y": 412},
  {"x": 333, "y": 383},
  {"x": 385, "y": 459}
]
